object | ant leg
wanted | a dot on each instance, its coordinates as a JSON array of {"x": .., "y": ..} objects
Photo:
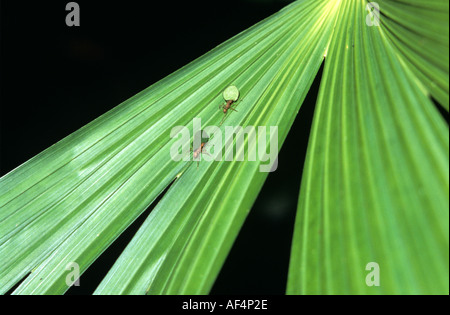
[{"x": 221, "y": 122}]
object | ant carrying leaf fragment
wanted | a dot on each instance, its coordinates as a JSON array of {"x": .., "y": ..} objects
[{"x": 231, "y": 95}]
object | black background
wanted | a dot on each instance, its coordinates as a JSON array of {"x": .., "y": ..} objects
[{"x": 55, "y": 79}]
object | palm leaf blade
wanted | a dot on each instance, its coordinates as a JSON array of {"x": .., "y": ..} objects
[{"x": 375, "y": 187}]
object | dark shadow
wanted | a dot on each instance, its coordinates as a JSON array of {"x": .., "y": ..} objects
[
  {"x": 17, "y": 284},
  {"x": 441, "y": 109}
]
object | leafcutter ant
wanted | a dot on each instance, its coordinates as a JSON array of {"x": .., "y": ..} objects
[
  {"x": 196, "y": 153},
  {"x": 231, "y": 95}
]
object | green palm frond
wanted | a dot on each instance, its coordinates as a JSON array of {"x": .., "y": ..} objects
[
  {"x": 375, "y": 185},
  {"x": 419, "y": 31}
]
